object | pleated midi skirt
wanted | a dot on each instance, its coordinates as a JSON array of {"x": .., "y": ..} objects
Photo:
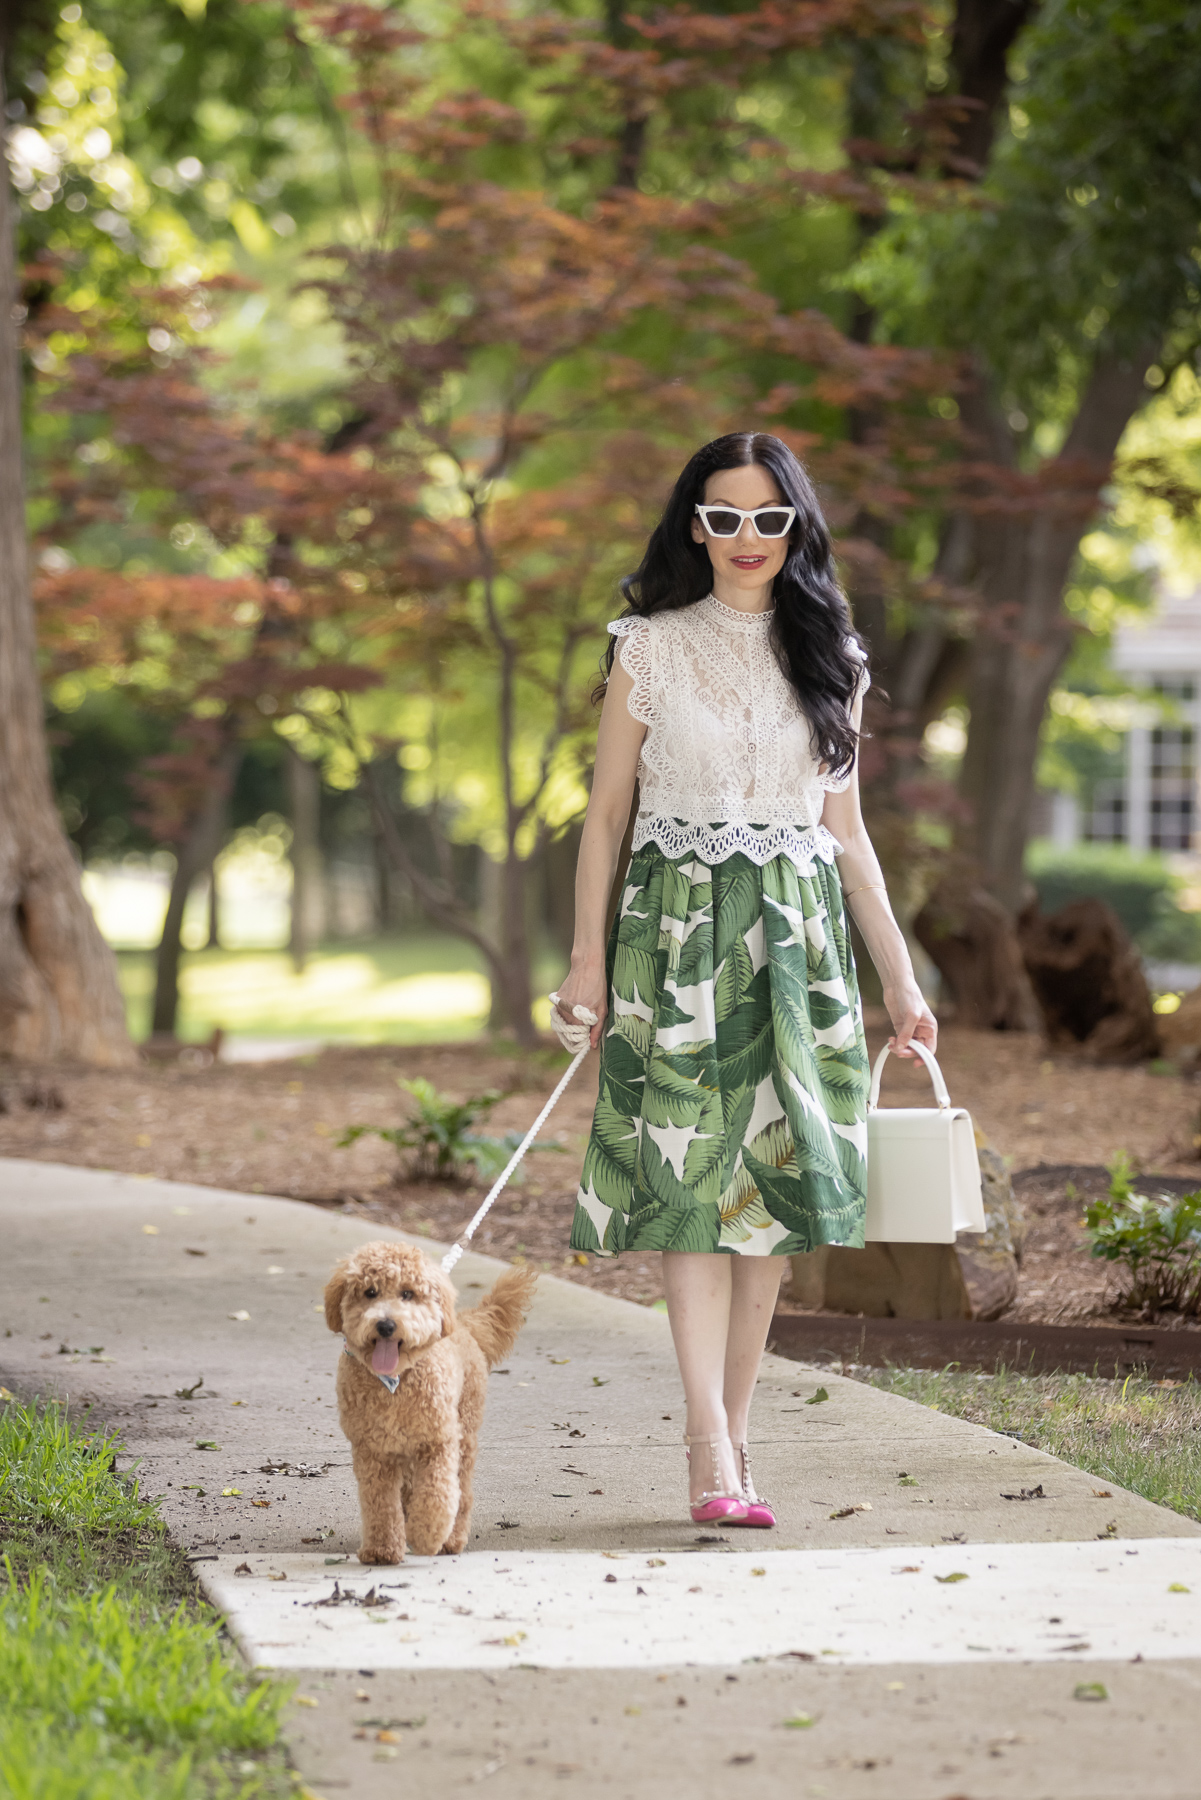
[{"x": 732, "y": 1111}]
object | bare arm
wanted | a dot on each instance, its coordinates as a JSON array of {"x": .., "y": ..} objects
[
  {"x": 867, "y": 899},
  {"x": 617, "y": 746}
]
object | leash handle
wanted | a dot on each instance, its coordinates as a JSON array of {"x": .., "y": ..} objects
[{"x": 456, "y": 1250}]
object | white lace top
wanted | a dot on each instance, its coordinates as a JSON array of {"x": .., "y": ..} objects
[{"x": 727, "y": 763}]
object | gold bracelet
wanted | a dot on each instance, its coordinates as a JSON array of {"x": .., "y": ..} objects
[{"x": 866, "y": 887}]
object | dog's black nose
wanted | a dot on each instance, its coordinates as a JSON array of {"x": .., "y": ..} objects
[{"x": 386, "y": 1328}]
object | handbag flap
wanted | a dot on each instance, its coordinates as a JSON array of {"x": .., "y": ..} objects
[{"x": 914, "y": 1121}]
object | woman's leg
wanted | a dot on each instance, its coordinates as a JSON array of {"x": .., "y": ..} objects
[
  {"x": 755, "y": 1283},
  {"x": 698, "y": 1288}
]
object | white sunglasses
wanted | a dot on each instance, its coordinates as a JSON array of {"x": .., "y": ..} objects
[{"x": 727, "y": 521}]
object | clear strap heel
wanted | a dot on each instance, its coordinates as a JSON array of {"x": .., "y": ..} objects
[
  {"x": 714, "y": 1507},
  {"x": 758, "y": 1512}
]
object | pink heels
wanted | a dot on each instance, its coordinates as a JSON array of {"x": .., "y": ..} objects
[
  {"x": 714, "y": 1508},
  {"x": 758, "y": 1512}
]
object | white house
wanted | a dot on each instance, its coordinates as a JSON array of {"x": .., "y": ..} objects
[{"x": 1153, "y": 805}]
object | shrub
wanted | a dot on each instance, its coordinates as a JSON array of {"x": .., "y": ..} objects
[
  {"x": 1156, "y": 1238},
  {"x": 440, "y": 1134}
]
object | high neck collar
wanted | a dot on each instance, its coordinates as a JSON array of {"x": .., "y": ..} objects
[{"x": 734, "y": 616}]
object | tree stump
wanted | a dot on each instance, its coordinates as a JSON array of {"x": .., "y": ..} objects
[{"x": 1089, "y": 982}]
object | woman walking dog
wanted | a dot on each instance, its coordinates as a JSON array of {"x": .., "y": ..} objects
[{"x": 730, "y": 1123}]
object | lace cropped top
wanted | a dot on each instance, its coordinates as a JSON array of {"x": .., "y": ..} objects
[{"x": 727, "y": 763}]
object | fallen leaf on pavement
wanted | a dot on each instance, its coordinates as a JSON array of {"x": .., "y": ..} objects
[
  {"x": 1102, "y": 1494},
  {"x": 240, "y": 1316},
  {"x": 1178, "y": 1587},
  {"x": 800, "y": 1722},
  {"x": 304, "y": 1700},
  {"x": 231, "y": 1493},
  {"x": 816, "y": 1399},
  {"x": 260, "y": 1503},
  {"x": 243, "y": 1569},
  {"x": 206, "y": 1444},
  {"x": 1091, "y": 1690},
  {"x": 1034, "y": 1493},
  {"x": 186, "y": 1393},
  {"x": 958, "y": 1575}
]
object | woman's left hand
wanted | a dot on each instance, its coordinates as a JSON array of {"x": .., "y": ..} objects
[{"x": 911, "y": 1018}]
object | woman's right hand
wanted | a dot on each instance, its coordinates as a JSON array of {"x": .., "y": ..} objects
[{"x": 584, "y": 986}]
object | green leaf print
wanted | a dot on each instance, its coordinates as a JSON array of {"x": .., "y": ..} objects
[
  {"x": 696, "y": 955},
  {"x": 680, "y": 1228},
  {"x": 737, "y": 889},
  {"x": 636, "y": 975},
  {"x": 671, "y": 1157},
  {"x": 614, "y": 1132},
  {"x": 844, "y": 1088}
]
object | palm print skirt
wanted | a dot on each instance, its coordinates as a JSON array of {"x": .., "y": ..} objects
[{"x": 732, "y": 1112}]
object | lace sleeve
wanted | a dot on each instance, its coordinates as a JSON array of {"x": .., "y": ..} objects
[
  {"x": 838, "y": 784},
  {"x": 634, "y": 653}
]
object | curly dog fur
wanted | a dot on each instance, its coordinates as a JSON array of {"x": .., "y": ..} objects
[{"x": 414, "y": 1450}]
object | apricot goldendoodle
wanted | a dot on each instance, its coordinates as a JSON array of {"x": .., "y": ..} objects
[{"x": 411, "y": 1391}]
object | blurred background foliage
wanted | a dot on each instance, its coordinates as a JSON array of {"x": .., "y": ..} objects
[{"x": 363, "y": 344}]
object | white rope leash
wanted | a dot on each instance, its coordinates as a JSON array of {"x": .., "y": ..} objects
[{"x": 456, "y": 1250}]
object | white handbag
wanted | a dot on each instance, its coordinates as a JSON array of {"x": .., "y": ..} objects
[{"x": 923, "y": 1174}]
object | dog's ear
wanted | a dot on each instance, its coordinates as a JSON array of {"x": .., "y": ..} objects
[
  {"x": 335, "y": 1287},
  {"x": 446, "y": 1300}
]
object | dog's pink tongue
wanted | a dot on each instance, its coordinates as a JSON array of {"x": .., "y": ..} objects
[{"x": 385, "y": 1356}]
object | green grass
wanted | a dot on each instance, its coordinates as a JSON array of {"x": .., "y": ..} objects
[
  {"x": 415, "y": 989},
  {"x": 1138, "y": 1434},
  {"x": 115, "y": 1677}
]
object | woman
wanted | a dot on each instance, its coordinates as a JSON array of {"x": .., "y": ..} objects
[{"x": 730, "y": 1127}]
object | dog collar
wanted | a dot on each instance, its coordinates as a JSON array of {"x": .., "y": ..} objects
[{"x": 391, "y": 1382}]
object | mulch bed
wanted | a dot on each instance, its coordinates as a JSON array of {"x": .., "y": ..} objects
[{"x": 272, "y": 1128}]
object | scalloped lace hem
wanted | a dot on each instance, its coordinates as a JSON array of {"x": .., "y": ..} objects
[{"x": 713, "y": 844}]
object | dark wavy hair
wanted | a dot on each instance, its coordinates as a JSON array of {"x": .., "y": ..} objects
[{"x": 812, "y": 633}]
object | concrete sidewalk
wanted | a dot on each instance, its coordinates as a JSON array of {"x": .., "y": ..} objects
[{"x": 126, "y": 1293}]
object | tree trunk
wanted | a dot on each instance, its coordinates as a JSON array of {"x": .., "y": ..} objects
[
  {"x": 308, "y": 909},
  {"x": 214, "y": 931},
  {"x": 508, "y": 973},
  {"x": 517, "y": 982},
  {"x": 971, "y": 940},
  {"x": 1024, "y": 635},
  {"x": 196, "y": 853},
  {"x": 58, "y": 978}
]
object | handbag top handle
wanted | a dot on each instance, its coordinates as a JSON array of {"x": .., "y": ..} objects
[{"x": 927, "y": 1056}]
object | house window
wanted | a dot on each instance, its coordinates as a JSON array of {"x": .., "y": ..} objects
[
  {"x": 1173, "y": 783},
  {"x": 1175, "y": 687},
  {"x": 1105, "y": 821}
]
